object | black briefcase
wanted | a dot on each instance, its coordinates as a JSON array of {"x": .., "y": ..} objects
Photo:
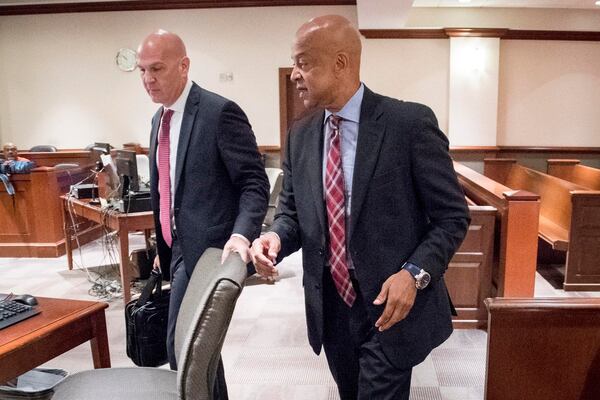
[{"x": 146, "y": 324}]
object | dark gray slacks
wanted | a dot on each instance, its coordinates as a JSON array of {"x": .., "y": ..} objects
[
  {"x": 356, "y": 360},
  {"x": 179, "y": 283}
]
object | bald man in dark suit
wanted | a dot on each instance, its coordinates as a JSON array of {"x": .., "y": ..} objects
[
  {"x": 371, "y": 197},
  {"x": 208, "y": 184}
]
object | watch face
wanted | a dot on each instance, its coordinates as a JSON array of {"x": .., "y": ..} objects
[
  {"x": 126, "y": 59},
  {"x": 423, "y": 280}
]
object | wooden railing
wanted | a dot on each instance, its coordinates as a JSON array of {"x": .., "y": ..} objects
[
  {"x": 515, "y": 239},
  {"x": 540, "y": 349}
]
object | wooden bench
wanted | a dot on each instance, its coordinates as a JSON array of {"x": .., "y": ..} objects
[
  {"x": 569, "y": 218},
  {"x": 540, "y": 349},
  {"x": 469, "y": 274},
  {"x": 515, "y": 238},
  {"x": 573, "y": 171}
]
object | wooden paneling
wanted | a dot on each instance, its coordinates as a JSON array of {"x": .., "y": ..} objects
[
  {"x": 132, "y": 5},
  {"x": 50, "y": 159},
  {"x": 469, "y": 274},
  {"x": 540, "y": 349},
  {"x": 502, "y": 33},
  {"x": 31, "y": 223}
]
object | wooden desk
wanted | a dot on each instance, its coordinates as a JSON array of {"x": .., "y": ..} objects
[
  {"x": 61, "y": 326},
  {"x": 30, "y": 221},
  {"x": 120, "y": 222}
]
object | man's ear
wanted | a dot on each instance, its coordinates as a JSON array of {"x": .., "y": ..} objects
[
  {"x": 185, "y": 65},
  {"x": 342, "y": 62}
]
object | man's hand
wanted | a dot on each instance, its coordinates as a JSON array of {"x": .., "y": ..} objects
[
  {"x": 264, "y": 252},
  {"x": 156, "y": 264},
  {"x": 399, "y": 291},
  {"x": 237, "y": 245}
]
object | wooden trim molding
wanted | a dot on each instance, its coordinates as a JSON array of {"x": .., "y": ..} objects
[
  {"x": 524, "y": 149},
  {"x": 425, "y": 33},
  {"x": 584, "y": 36},
  {"x": 132, "y": 5},
  {"x": 502, "y": 33},
  {"x": 475, "y": 32}
]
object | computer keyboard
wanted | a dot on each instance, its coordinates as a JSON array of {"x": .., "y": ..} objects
[{"x": 12, "y": 312}]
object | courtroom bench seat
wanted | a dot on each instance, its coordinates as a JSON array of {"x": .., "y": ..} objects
[
  {"x": 573, "y": 171},
  {"x": 569, "y": 218}
]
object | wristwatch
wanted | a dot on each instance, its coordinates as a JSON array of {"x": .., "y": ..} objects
[{"x": 422, "y": 277}]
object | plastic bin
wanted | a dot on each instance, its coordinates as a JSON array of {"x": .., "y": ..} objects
[{"x": 36, "y": 384}]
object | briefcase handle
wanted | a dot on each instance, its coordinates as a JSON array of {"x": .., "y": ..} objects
[{"x": 155, "y": 281}]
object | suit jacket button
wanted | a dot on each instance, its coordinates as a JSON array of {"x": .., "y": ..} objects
[{"x": 321, "y": 252}]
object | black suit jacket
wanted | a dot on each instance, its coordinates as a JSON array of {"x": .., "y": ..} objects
[
  {"x": 220, "y": 182},
  {"x": 407, "y": 205}
]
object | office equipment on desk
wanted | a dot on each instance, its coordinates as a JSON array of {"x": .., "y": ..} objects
[
  {"x": 85, "y": 191},
  {"x": 17, "y": 309},
  {"x": 132, "y": 199},
  {"x": 126, "y": 162}
]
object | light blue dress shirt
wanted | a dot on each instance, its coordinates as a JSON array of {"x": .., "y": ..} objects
[
  {"x": 350, "y": 115},
  {"x": 349, "y": 135}
]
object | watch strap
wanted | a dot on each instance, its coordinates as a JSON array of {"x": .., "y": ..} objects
[{"x": 412, "y": 269}]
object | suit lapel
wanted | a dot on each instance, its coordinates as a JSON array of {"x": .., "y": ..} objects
[
  {"x": 314, "y": 149},
  {"x": 185, "y": 134},
  {"x": 370, "y": 136}
]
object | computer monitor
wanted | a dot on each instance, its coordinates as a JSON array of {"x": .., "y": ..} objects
[
  {"x": 127, "y": 171},
  {"x": 98, "y": 149},
  {"x": 105, "y": 147}
]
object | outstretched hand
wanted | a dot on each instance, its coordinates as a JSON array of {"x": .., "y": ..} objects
[
  {"x": 399, "y": 293},
  {"x": 264, "y": 253}
]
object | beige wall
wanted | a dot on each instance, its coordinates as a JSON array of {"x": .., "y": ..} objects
[
  {"x": 65, "y": 89},
  {"x": 549, "y": 93},
  {"x": 60, "y": 85}
]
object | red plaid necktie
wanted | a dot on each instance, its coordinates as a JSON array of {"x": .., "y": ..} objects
[
  {"x": 164, "y": 178},
  {"x": 336, "y": 214}
]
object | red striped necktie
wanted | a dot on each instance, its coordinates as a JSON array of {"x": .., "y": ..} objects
[
  {"x": 164, "y": 178},
  {"x": 336, "y": 214}
]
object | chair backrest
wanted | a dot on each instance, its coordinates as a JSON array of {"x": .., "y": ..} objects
[
  {"x": 275, "y": 176},
  {"x": 203, "y": 320},
  {"x": 41, "y": 148}
]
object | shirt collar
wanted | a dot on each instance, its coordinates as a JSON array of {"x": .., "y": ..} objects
[
  {"x": 179, "y": 105},
  {"x": 351, "y": 110}
]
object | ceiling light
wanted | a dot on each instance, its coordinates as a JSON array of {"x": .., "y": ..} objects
[{"x": 598, "y": 3}]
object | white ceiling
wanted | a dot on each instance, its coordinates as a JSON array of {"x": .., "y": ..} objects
[{"x": 590, "y": 4}]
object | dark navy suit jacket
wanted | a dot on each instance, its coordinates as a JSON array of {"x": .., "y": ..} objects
[
  {"x": 407, "y": 205},
  {"x": 220, "y": 182}
]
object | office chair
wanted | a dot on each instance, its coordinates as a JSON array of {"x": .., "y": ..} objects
[
  {"x": 201, "y": 327},
  {"x": 275, "y": 176},
  {"x": 41, "y": 148}
]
